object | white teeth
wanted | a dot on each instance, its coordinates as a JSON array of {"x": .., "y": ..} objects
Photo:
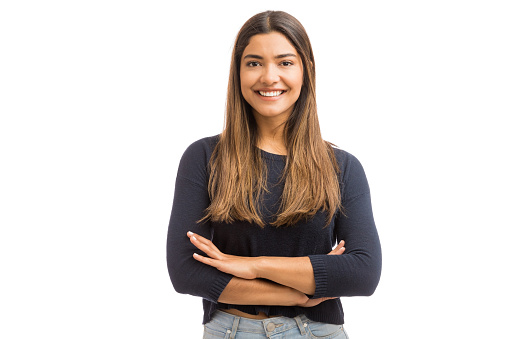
[{"x": 271, "y": 94}]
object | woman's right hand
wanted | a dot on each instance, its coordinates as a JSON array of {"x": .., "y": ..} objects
[{"x": 314, "y": 302}]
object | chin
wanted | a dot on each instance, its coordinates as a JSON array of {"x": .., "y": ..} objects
[{"x": 271, "y": 113}]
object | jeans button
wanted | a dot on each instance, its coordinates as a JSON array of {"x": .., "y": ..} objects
[{"x": 271, "y": 327}]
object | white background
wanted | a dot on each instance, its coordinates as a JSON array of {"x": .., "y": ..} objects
[{"x": 99, "y": 99}]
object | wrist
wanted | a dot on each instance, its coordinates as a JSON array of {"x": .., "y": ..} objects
[
  {"x": 295, "y": 297},
  {"x": 301, "y": 299},
  {"x": 289, "y": 296}
]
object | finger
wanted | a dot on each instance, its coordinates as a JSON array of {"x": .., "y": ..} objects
[
  {"x": 198, "y": 239},
  {"x": 201, "y": 245},
  {"x": 196, "y": 235},
  {"x": 201, "y": 239},
  {"x": 339, "y": 249},
  {"x": 340, "y": 244},
  {"x": 329, "y": 298},
  {"x": 314, "y": 302},
  {"x": 335, "y": 250},
  {"x": 205, "y": 245},
  {"x": 205, "y": 260}
]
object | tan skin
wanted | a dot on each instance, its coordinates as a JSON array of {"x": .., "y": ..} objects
[
  {"x": 271, "y": 76},
  {"x": 270, "y": 63},
  {"x": 291, "y": 278}
]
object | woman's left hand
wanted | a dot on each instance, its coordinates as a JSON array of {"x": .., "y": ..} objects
[{"x": 241, "y": 267}]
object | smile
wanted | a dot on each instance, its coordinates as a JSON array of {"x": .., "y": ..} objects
[{"x": 270, "y": 94}]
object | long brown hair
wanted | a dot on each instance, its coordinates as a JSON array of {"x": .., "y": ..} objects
[{"x": 237, "y": 171}]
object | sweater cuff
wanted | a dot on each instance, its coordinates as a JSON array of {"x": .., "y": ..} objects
[
  {"x": 219, "y": 285},
  {"x": 320, "y": 274}
]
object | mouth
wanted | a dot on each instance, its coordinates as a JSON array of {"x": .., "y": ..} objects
[{"x": 270, "y": 93}]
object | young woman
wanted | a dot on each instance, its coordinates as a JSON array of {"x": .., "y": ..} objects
[{"x": 259, "y": 208}]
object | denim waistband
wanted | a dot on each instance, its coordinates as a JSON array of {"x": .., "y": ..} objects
[{"x": 269, "y": 326}]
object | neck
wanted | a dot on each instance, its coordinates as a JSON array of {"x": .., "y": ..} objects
[{"x": 270, "y": 136}]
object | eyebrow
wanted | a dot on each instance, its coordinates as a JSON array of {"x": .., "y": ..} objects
[{"x": 280, "y": 56}]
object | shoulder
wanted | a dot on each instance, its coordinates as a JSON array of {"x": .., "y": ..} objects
[
  {"x": 352, "y": 175},
  {"x": 347, "y": 161},
  {"x": 194, "y": 161},
  {"x": 201, "y": 148}
]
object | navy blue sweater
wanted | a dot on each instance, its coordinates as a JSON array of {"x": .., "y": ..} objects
[{"x": 354, "y": 273}]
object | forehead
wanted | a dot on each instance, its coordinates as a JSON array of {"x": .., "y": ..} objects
[{"x": 269, "y": 44}]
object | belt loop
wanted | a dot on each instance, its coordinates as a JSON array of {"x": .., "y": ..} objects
[
  {"x": 235, "y": 327},
  {"x": 301, "y": 325}
]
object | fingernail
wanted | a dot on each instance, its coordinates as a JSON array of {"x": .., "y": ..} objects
[
  {"x": 194, "y": 238},
  {"x": 190, "y": 232}
]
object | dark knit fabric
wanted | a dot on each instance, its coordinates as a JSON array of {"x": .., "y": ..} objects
[{"x": 354, "y": 273}]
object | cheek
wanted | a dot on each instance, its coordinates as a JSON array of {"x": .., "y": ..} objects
[
  {"x": 245, "y": 87},
  {"x": 243, "y": 84},
  {"x": 298, "y": 82},
  {"x": 297, "y": 89},
  {"x": 244, "y": 90},
  {"x": 297, "y": 86}
]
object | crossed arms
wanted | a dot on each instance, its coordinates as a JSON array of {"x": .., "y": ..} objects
[{"x": 282, "y": 281}]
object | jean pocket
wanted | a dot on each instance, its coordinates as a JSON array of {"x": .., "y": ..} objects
[
  {"x": 213, "y": 331},
  {"x": 325, "y": 331}
]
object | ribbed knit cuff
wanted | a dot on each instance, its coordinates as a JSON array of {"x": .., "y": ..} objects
[
  {"x": 320, "y": 273},
  {"x": 219, "y": 285}
]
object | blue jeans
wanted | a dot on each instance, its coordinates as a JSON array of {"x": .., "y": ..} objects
[{"x": 226, "y": 326}]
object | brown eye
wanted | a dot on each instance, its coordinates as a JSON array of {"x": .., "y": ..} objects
[{"x": 253, "y": 63}]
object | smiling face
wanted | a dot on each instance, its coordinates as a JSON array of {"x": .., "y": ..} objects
[{"x": 271, "y": 76}]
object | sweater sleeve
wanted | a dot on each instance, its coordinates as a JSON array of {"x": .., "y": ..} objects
[
  {"x": 189, "y": 202},
  {"x": 357, "y": 271}
]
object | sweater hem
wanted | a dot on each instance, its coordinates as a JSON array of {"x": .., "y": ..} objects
[{"x": 329, "y": 316}]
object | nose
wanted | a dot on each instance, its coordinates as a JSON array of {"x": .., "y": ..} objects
[{"x": 270, "y": 74}]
